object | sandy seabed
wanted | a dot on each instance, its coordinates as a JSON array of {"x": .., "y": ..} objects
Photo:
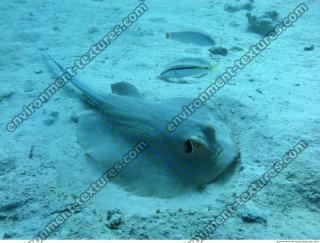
[{"x": 271, "y": 105}]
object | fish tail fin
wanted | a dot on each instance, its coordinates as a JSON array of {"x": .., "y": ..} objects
[
  {"x": 213, "y": 66},
  {"x": 167, "y": 35}
]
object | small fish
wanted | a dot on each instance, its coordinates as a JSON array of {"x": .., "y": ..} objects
[
  {"x": 189, "y": 36},
  {"x": 185, "y": 70}
]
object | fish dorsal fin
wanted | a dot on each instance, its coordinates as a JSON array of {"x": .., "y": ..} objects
[{"x": 125, "y": 89}]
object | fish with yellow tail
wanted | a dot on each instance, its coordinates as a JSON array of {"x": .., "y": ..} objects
[{"x": 186, "y": 70}]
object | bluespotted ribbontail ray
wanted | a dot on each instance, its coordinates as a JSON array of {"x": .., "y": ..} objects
[{"x": 197, "y": 153}]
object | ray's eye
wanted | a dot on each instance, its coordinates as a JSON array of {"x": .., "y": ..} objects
[
  {"x": 193, "y": 144},
  {"x": 188, "y": 147}
]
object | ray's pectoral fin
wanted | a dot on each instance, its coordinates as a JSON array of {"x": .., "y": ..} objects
[
  {"x": 126, "y": 89},
  {"x": 99, "y": 140}
]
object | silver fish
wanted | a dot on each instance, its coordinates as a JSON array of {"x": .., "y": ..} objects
[
  {"x": 189, "y": 36},
  {"x": 185, "y": 70}
]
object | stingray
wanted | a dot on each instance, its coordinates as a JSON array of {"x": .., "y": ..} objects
[{"x": 194, "y": 155}]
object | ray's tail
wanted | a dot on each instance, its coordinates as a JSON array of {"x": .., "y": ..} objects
[{"x": 92, "y": 95}]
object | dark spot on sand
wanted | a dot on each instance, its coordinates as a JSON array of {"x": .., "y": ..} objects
[
  {"x": 54, "y": 114},
  {"x": 3, "y": 217},
  {"x": 31, "y": 152},
  {"x": 236, "y": 48},
  {"x": 55, "y": 28},
  {"x": 6, "y": 95},
  {"x": 6, "y": 236},
  {"x": 74, "y": 118},
  {"x": 309, "y": 48},
  {"x": 93, "y": 30},
  {"x": 249, "y": 218},
  {"x": 38, "y": 71},
  {"x": 11, "y": 206},
  {"x": 218, "y": 51},
  {"x": 49, "y": 122},
  {"x": 7, "y": 165}
]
